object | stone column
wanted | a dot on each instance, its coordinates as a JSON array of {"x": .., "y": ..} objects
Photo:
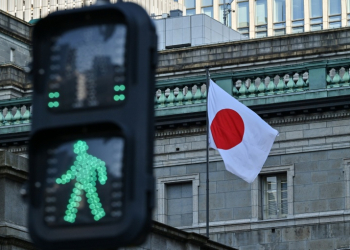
[
  {"x": 344, "y": 13},
  {"x": 325, "y": 14},
  {"x": 306, "y": 16},
  {"x": 251, "y": 19},
  {"x": 198, "y": 6},
  {"x": 288, "y": 16},
  {"x": 216, "y": 9},
  {"x": 234, "y": 15},
  {"x": 269, "y": 17}
]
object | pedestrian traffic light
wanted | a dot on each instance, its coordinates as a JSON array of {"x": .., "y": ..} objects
[{"x": 91, "y": 181}]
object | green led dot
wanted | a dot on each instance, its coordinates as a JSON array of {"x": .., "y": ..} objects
[
  {"x": 122, "y": 87},
  {"x": 56, "y": 104},
  {"x": 51, "y": 95},
  {"x": 56, "y": 94},
  {"x": 58, "y": 181},
  {"x": 116, "y": 98},
  {"x": 50, "y": 104},
  {"x": 116, "y": 88},
  {"x": 122, "y": 97}
]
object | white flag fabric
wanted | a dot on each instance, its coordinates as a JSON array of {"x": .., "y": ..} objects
[{"x": 242, "y": 138}]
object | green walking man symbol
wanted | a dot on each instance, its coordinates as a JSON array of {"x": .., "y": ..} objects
[{"x": 85, "y": 170}]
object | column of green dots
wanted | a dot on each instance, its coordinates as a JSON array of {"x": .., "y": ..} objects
[
  {"x": 119, "y": 96},
  {"x": 53, "y": 103}
]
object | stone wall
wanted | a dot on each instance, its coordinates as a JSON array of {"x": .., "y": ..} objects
[
  {"x": 15, "y": 35},
  {"x": 318, "y": 236},
  {"x": 13, "y": 210}
]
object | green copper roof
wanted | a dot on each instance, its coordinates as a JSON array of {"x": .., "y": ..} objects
[{"x": 34, "y": 21}]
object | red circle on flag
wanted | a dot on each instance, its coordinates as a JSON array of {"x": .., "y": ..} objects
[{"x": 227, "y": 129}]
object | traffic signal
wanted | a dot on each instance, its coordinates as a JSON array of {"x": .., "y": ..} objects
[{"x": 91, "y": 181}]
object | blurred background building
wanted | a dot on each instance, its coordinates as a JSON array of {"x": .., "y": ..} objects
[
  {"x": 261, "y": 18},
  {"x": 28, "y": 10},
  {"x": 298, "y": 83},
  {"x": 252, "y": 18}
]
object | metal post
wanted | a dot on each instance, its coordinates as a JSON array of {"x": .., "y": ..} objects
[{"x": 207, "y": 203}]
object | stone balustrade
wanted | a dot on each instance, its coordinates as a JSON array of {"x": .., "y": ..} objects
[
  {"x": 249, "y": 87},
  {"x": 271, "y": 85},
  {"x": 178, "y": 96},
  {"x": 18, "y": 114},
  {"x": 338, "y": 77}
]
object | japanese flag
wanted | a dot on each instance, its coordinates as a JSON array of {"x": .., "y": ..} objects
[{"x": 242, "y": 138}]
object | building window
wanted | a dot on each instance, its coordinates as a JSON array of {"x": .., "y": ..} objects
[
  {"x": 275, "y": 196},
  {"x": 316, "y": 15},
  {"x": 334, "y": 15},
  {"x": 268, "y": 197},
  {"x": 179, "y": 204},
  {"x": 12, "y": 55},
  {"x": 207, "y": 7},
  {"x": 243, "y": 17},
  {"x": 190, "y": 7},
  {"x": 222, "y": 8},
  {"x": 177, "y": 200},
  {"x": 297, "y": 16},
  {"x": 279, "y": 17},
  {"x": 260, "y": 18}
]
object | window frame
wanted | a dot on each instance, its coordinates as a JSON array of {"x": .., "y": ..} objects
[
  {"x": 313, "y": 25},
  {"x": 333, "y": 15},
  {"x": 206, "y": 7},
  {"x": 12, "y": 55},
  {"x": 256, "y": 190},
  {"x": 279, "y": 29},
  {"x": 161, "y": 209},
  {"x": 229, "y": 21},
  {"x": 310, "y": 9},
  {"x": 194, "y": 8},
  {"x": 294, "y": 22},
  {"x": 279, "y": 178},
  {"x": 237, "y": 15},
  {"x": 260, "y": 33}
]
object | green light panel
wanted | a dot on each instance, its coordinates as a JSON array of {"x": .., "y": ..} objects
[
  {"x": 84, "y": 182},
  {"x": 54, "y": 103},
  {"x": 87, "y": 68},
  {"x": 86, "y": 170},
  {"x": 119, "y": 95}
]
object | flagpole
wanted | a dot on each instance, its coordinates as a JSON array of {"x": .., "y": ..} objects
[{"x": 207, "y": 191}]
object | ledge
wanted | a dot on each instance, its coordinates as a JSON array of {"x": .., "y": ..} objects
[
  {"x": 13, "y": 166},
  {"x": 193, "y": 238},
  {"x": 295, "y": 220}
]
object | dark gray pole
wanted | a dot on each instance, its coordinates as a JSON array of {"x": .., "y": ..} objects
[{"x": 208, "y": 82}]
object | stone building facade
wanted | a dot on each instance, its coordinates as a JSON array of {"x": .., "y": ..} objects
[{"x": 299, "y": 84}]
